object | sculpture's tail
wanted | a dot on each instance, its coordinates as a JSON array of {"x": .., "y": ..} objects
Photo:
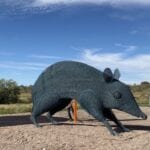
[
  {"x": 33, "y": 96},
  {"x": 33, "y": 100}
]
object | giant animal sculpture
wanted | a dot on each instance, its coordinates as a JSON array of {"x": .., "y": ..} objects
[{"x": 97, "y": 92}]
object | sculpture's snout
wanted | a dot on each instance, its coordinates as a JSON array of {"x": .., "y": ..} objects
[{"x": 143, "y": 116}]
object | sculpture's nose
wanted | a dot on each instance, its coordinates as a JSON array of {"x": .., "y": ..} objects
[{"x": 143, "y": 116}]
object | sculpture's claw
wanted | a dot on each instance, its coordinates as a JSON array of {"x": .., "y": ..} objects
[
  {"x": 124, "y": 129},
  {"x": 114, "y": 133}
]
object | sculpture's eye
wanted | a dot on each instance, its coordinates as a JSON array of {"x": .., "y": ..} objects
[{"x": 117, "y": 95}]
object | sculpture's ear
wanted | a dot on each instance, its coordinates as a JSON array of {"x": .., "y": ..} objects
[
  {"x": 108, "y": 75},
  {"x": 116, "y": 74}
]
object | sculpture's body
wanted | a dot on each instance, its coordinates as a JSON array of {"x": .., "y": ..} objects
[{"x": 95, "y": 91}]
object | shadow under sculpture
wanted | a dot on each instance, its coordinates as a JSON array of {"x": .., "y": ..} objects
[
  {"x": 97, "y": 92},
  {"x": 70, "y": 113}
]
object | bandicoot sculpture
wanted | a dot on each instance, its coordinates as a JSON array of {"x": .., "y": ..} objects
[{"x": 97, "y": 92}]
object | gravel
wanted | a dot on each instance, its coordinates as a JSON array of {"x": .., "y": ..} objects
[{"x": 17, "y": 133}]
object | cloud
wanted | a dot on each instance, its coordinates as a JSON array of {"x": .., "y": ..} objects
[
  {"x": 127, "y": 48},
  {"x": 134, "y": 68},
  {"x": 44, "y": 57},
  {"x": 98, "y": 2},
  {"x": 38, "y": 6},
  {"x": 23, "y": 65}
]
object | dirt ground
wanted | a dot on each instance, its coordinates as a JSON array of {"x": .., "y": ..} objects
[{"x": 17, "y": 133}]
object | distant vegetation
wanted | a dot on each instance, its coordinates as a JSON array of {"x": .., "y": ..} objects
[
  {"x": 17, "y": 99},
  {"x": 14, "y": 98},
  {"x": 25, "y": 94},
  {"x": 9, "y": 92},
  {"x": 141, "y": 92},
  {"x": 15, "y": 108}
]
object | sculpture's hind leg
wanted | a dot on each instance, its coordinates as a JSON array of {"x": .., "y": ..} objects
[
  {"x": 51, "y": 119},
  {"x": 89, "y": 102},
  {"x": 70, "y": 111},
  {"x": 34, "y": 116},
  {"x": 34, "y": 120},
  {"x": 46, "y": 102}
]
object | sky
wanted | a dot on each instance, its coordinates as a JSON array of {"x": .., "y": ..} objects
[{"x": 103, "y": 33}]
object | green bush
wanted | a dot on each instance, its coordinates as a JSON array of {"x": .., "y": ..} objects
[{"x": 9, "y": 92}]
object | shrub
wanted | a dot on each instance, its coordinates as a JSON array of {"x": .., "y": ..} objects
[{"x": 9, "y": 91}]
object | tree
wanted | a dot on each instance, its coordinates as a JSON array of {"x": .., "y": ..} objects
[
  {"x": 145, "y": 83},
  {"x": 9, "y": 91}
]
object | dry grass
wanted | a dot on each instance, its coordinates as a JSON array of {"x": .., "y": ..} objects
[{"x": 15, "y": 108}]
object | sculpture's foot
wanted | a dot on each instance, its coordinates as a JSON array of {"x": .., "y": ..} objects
[
  {"x": 114, "y": 133},
  {"x": 54, "y": 122},
  {"x": 38, "y": 126},
  {"x": 34, "y": 122},
  {"x": 51, "y": 120},
  {"x": 124, "y": 129}
]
